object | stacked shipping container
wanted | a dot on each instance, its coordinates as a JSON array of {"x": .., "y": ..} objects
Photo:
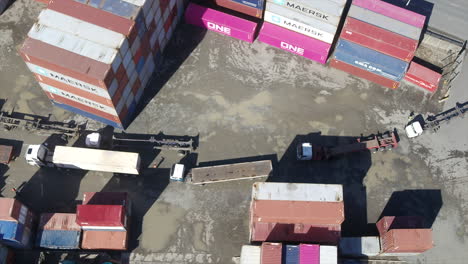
[
  {"x": 303, "y": 27},
  {"x": 250, "y": 255},
  {"x": 423, "y": 77},
  {"x": 378, "y": 41},
  {"x": 16, "y": 223},
  {"x": 296, "y": 212},
  {"x": 249, "y": 7},
  {"x": 96, "y": 60},
  {"x": 58, "y": 231}
]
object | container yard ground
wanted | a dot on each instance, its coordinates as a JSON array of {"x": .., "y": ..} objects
[{"x": 251, "y": 100}]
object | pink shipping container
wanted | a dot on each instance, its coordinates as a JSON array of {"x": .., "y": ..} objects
[
  {"x": 297, "y": 212},
  {"x": 392, "y": 11},
  {"x": 104, "y": 240},
  {"x": 13, "y": 210},
  {"x": 220, "y": 22},
  {"x": 101, "y": 217},
  {"x": 309, "y": 254},
  {"x": 294, "y": 42},
  {"x": 58, "y": 221},
  {"x": 271, "y": 253},
  {"x": 423, "y": 77}
]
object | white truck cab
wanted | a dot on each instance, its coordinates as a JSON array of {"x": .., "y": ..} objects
[
  {"x": 414, "y": 129},
  {"x": 304, "y": 151},
  {"x": 37, "y": 155},
  {"x": 177, "y": 172}
]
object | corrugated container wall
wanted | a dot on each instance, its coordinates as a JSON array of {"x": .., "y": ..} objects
[
  {"x": 291, "y": 254},
  {"x": 297, "y": 192},
  {"x": 271, "y": 253},
  {"x": 103, "y": 217},
  {"x": 309, "y": 254},
  {"x": 15, "y": 234},
  {"x": 407, "y": 241},
  {"x": 242, "y": 8},
  {"x": 328, "y": 255},
  {"x": 325, "y": 11},
  {"x": 58, "y": 221},
  {"x": 423, "y": 77},
  {"x": 250, "y": 255},
  {"x": 388, "y": 223},
  {"x": 113, "y": 240},
  {"x": 359, "y": 246},
  {"x": 58, "y": 239}
]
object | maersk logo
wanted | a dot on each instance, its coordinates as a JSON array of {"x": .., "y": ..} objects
[
  {"x": 276, "y": 19},
  {"x": 280, "y": 2}
]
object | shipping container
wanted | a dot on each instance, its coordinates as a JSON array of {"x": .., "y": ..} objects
[
  {"x": 387, "y": 223},
  {"x": 258, "y": 4},
  {"x": 241, "y": 8},
  {"x": 271, "y": 253},
  {"x": 379, "y": 39},
  {"x": 6, "y": 154},
  {"x": 364, "y": 74},
  {"x": 328, "y": 254},
  {"x": 13, "y": 210},
  {"x": 395, "y": 12},
  {"x": 14, "y": 234},
  {"x": 108, "y": 198},
  {"x": 360, "y": 246},
  {"x": 385, "y": 22},
  {"x": 407, "y": 241},
  {"x": 298, "y": 27},
  {"x": 103, "y": 217},
  {"x": 370, "y": 60},
  {"x": 294, "y": 42},
  {"x": 113, "y": 240},
  {"x": 58, "y": 239},
  {"x": 297, "y": 212},
  {"x": 250, "y": 255},
  {"x": 220, "y": 22},
  {"x": 326, "y": 11},
  {"x": 58, "y": 221},
  {"x": 423, "y": 77},
  {"x": 6, "y": 255},
  {"x": 297, "y": 192},
  {"x": 309, "y": 254},
  {"x": 327, "y": 234},
  {"x": 291, "y": 254}
]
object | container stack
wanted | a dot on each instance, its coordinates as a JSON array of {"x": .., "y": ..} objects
[
  {"x": 58, "y": 231},
  {"x": 103, "y": 217},
  {"x": 249, "y": 7},
  {"x": 400, "y": 236},
  {"x": 96, "y": 60},
  {"x": 16, "y": 223},
  {"x": 293, "y": 212},
  {"x": 423, "y": 77},
  {"x": 220, "y": 22},
  {"x": 378, "y": 41},
  {"x": 276, "y": 253},
  {"x": 303, "y": 27}
]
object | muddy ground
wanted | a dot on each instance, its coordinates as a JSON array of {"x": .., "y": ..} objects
[{"x": 250, "y": 102}]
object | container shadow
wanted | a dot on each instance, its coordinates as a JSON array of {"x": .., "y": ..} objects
[
  {"x": 422, "y": 203},
  {"x": 272, "y": 157}
]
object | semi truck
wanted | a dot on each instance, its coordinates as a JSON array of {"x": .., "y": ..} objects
[
  {"x": 83, "y": 158},
  {"x": 374, "y": 143},
  {"x": 417, "y": 127}
]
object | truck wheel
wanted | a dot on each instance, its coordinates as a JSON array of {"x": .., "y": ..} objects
[{"x": 389, "y": 147}]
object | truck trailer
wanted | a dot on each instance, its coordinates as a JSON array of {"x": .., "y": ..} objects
[{"x": 83, "y": 158}]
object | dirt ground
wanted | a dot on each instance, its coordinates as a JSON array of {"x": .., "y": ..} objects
[{"x": 250, "y": 102}]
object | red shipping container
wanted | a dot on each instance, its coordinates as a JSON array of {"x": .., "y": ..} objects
[
  {"x": 113, "y": 240},
  {"x": 297, "y": 212},
  {"x": 326, "y": 234},
  {"x": 13, "y": 210},
  {"x": 407, "y": 241},
  {"x": 423, "y": 77},
  {"x": 387, "y": 223},
  {"x": 58, "y": 221},
  {"x": 364, "y": 74},
  {"x": 101, "y": 216},
  {"x": 244, "y": 9},
  {"x": 108, "y": 198},
  {"x": 271, "y": 253},
  {"x": 379, "y": 39}
]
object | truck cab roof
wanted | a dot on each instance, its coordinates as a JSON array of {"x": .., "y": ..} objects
[{"x": 414, "y": 129}]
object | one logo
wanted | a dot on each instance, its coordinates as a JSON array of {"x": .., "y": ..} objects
[
  {"x": 281, "y": 2},
  {"x": 276, "y": 19},
  {"x": 292, "y": 48},
  {"x": 219, "y": 28}
]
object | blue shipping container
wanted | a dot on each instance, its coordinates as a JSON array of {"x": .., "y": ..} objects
[
  {"x": 370, "y": 60},
  {"x": 291, "y": 254},
  {"x": 258, "y": 4},
  {"x": 58, "y": 239},
  {"x": 14, "y": 234}
]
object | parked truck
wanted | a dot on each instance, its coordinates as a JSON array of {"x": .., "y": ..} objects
[
  {"x": 83, "y": 158},
  {"x": 374, "y": 143},
  {"x": 417, "y": 127}
]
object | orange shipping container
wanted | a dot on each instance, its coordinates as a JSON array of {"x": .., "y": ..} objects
[
  {"x": 387, "y": 223},
  {"x": 58, "y": 221},
  {"x": 407, "y": 241},
  {"x": 113, "y": 240}
]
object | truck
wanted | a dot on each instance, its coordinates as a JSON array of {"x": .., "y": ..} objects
[
  {"x": 417, "y": 127},
  {"x": 83, "y": 158},
  {"x": 373, "y": 143},
  {"x": 230, "y": 172}
]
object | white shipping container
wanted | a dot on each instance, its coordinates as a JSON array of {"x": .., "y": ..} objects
[
  {"x": 96, "y": 160},
  {"x": 250, "y": 255},
  {"x": 328, "y": 255},
  {"x": 73, "y": 43},
  {"x": 297, "y": 192},
  {"x": 298, "y": 27},
  {"x": 359, "y": 246},
  {"x": 327, "y": 11},
  {"x": 81, "y": 28}
]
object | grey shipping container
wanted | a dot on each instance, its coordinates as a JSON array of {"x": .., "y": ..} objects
[
  {"x": 293, "y": 15},
  {"x": 370, "y": 60},
  {"x": 385, "y": 22},
  {"x": 325, "y": 11}
]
